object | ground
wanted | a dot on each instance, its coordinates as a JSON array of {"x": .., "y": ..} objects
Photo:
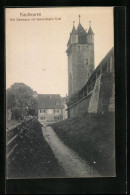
[
  {"x": 78, "y": 147},
  {"x": 92, "y": 136}
]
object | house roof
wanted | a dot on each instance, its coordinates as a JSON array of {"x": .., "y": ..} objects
[{"x": 49, "y": 101}]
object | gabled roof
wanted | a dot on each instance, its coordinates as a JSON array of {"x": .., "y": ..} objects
[{"x": 49, "y": 101}]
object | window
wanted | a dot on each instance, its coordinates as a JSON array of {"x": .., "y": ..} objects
[
  {"x": 41, "y": 118},
  {"x": 56, "y": 110},
  {"x": 57, "y": 103},
  {"x": 42, "y": 111},
  {"x": 78, "y": 48},
  {"x": 56, "y": 118},
  {"x": 86, "y": 61},
  {"x": 44, "y": 118}
]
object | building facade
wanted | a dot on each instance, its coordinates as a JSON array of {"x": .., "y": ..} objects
[
  {"x": 80, "y": 52},
  {"x": 50, "y": 108}
]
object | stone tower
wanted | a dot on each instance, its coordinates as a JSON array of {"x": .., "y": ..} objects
[{"x": 80, "y": 52}]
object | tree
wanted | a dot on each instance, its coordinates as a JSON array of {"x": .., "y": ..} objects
[{"x": 22, "y": 101}]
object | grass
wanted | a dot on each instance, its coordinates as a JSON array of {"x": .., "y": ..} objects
[
  {"x": 92, "y": 136},
  {"x": 33, "y": 157}
]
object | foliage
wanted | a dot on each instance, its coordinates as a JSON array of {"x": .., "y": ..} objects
[
  {"x": 33, "y": 157},
  {"x": 21, "y": 99}
]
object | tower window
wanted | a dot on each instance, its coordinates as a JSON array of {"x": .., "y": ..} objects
[
  {"x": 78, "y": 48},
  {"x": 86, "y": 61},
  {"x": 57, "y": 103}
]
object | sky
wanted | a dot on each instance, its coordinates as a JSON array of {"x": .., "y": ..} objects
[{"x": 36, "y": 48}]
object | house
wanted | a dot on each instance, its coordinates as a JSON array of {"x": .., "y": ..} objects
[{"x": 50, "y": 108}]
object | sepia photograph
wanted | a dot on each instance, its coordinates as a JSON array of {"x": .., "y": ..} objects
[{"x": 60, "y": 92}]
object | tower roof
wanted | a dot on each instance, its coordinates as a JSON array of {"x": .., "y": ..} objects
[
  {"x": 74, "y": 29},
  {"x": 69, "y": 41},
  {"x": 90, "y": 31},
  {"x": 81, "y": 30},
  {"x": 82, "y": 34}
]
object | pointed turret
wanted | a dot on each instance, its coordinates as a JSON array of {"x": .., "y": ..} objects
[
  {"x": 74, "y": 35},
  {"x": 90, "y": 37},
  {"x": 74, "y": 29},
  {"x": 90, "y": 31},
  {"x": 73, "y": 39}
]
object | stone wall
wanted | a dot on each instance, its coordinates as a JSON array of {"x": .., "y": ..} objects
[
  {"x": 82, "y": 65},
  {"x": 80, "y": 107},
  {"x": 102, "y": 98},
  {"x": 93, "y": 104},
  {"x": 106, "y": 92}
]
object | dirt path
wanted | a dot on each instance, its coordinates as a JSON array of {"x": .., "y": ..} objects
[{"x": 73, "y": 165}]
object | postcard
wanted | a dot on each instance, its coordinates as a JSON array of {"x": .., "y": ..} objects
[{"x": 60, "y": 92}]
